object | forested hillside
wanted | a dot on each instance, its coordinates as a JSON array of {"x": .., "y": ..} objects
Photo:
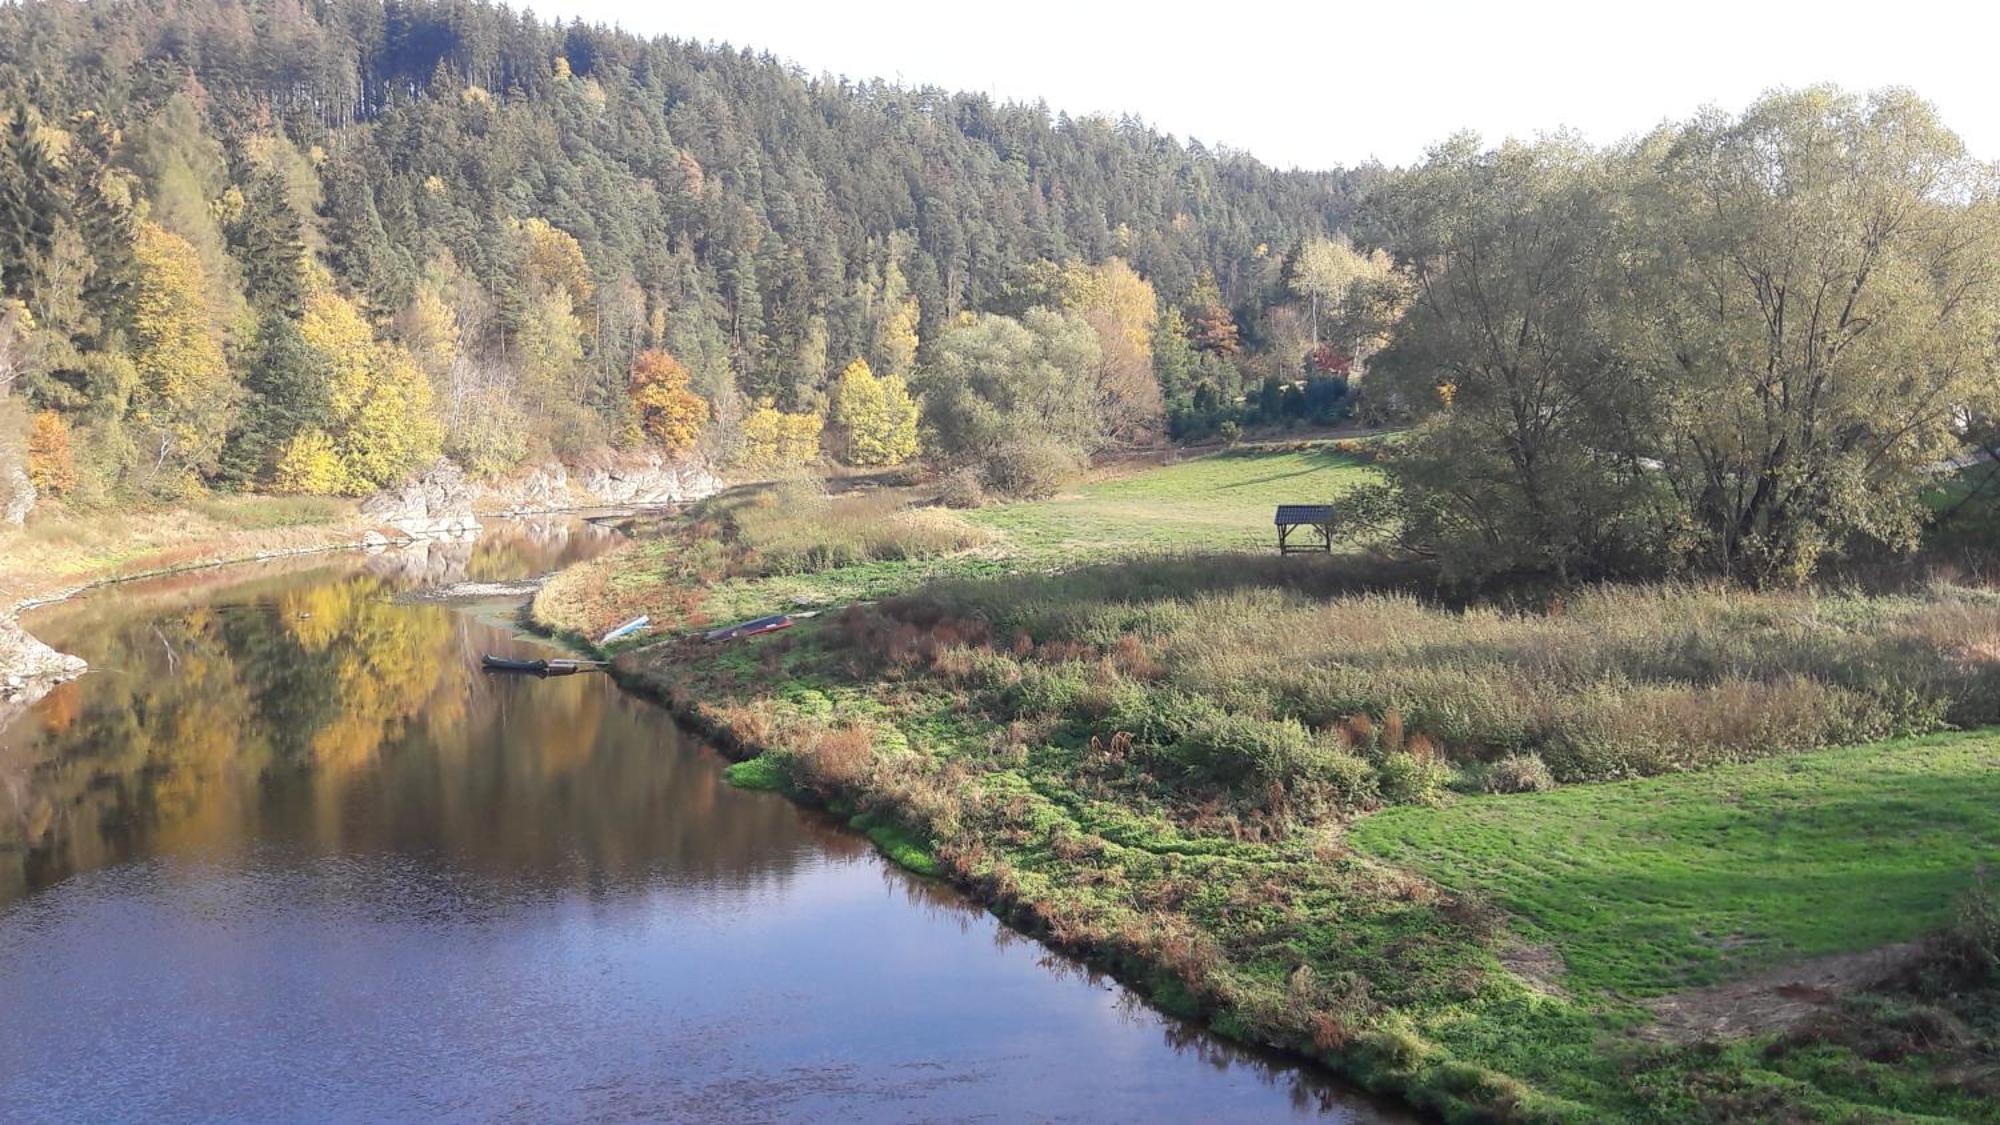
[{"x": 306, "y": 246}]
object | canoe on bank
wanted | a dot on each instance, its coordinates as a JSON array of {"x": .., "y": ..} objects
[
  {"x": 750, "y": 628},
  {"x": 494, "y": 663}
]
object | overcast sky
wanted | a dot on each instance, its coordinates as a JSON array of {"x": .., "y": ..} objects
[{"x": 1324, "y": 84}]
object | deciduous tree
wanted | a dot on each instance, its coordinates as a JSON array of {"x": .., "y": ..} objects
[{"x": 877, "y": 414}]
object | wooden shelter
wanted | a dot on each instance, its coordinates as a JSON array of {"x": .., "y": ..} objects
[{"x": 1317, "y": 519}]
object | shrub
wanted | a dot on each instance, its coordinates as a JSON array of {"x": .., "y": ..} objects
[
  {"x": 1517, "y": 773},
  {"x": 828, "y": 761},
  {"x": 961, "y": 489},
  {"x": 1029, "y": 468},
  {"x": 1970, "y": 946},
  {"x": 1413, "y": 779},
  {"x": 1245, "y": 753},
  {"x": 794, "y": 527}
]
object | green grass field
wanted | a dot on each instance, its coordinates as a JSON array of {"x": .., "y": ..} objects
[
  {"x": 1649, "y": 886},
  {"x": 1222, "y": 502}
]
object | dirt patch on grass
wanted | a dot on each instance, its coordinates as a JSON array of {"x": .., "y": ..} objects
[
  {"x": 1775, "y": 1000},
  {"x": 1541, "y": 966}
]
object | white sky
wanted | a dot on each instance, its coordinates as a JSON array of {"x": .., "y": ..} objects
[{"x": 1323, "y": 84}]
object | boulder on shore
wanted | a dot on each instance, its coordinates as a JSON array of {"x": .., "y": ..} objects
[
  {"x": 27, "y": 663},
  {"x": 434, "y": 505}
]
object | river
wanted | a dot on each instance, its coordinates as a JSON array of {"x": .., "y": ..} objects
[{"x": 286, "y": 853}]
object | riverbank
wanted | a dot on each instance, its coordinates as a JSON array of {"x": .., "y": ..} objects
[
  {"x": 54, "y": 558},
  {"x": 1212, "y": 771}
]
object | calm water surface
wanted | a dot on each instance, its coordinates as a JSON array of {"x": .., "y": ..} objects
[{"x": 288, "y": 854}]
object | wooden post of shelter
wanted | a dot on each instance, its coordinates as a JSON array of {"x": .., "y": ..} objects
[{"x": 1316, "y": 518}]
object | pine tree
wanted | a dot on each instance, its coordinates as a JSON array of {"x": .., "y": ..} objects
[
  {"x": 269, "y": 240},
  {"x": 104, "y": 221},
  {"x": 30, "y": 207}
]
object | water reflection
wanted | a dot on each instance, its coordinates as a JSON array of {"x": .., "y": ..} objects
[{"x": 287, "y": 852}]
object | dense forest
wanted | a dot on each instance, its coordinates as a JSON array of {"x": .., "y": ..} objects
[{"x": 305, "y": 246}]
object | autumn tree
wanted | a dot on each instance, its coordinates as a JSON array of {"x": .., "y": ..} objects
[
  {"x": 379, "y": 421},
  {"x": 185, "y": 400},
  {"x": 1122, "y": 310},
  {"x": 668, "y": 412},
  {"x": 1213, "y": 328},
  {"x": 51, "y": 455},
  {"x": 1325, "y": 271},
  {"x": 775, "y": 439},
  {"x": 877, "y": 414}
]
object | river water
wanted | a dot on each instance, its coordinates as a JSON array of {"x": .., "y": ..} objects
[{"x": 286, "y": 853}]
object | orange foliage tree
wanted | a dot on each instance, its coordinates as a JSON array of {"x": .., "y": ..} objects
[{"x": 668, "y": 412}]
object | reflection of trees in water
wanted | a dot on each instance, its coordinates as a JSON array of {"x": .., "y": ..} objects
[
  {"x": 148, "y": 748},
  {"x": 529, "y": 545},
  {"x": 313, "y": 710}
]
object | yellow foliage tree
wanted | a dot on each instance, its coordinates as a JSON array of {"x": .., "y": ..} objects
[
  {"x": 51, "y": 459},
  {"x": 1115, "y": 289},
  {"x": 1122, "y": 309},
  {"x": 550, "y": 346},
  {"x": 556, "y": 262},
  {"x": 773, "y": 439},
  {"x": 308, "y": 465},
  {"x": 668, "y": 412},
  {"x": 429, "y": 327},
  {"x": 879, "y": 415},
  {"x": 898, "y": 343},
  {"x": 380, "y": 423},
  {"x": 185, "y": 400}
]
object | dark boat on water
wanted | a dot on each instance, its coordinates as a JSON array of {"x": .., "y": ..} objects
[{"x": 494, "y": 663}]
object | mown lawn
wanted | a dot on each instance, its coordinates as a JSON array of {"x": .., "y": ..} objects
[
  {"x": 1649, "y": 886},
  {"x": 1220, "y": 502}
]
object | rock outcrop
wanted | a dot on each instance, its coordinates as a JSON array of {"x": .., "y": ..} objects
[
  {"x": 649, "y": 479},
  {"x": 435, "y": 505},
  {"x": 606, "y": 481},
  {"x": 546, "y": 488},
  {"x": 28, "y": 667}
]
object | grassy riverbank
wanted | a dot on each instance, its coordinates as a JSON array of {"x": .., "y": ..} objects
[
  {"x": 51, "y": 555},
  {"x": 789, "y": 545},
  {"x": 1313, "y": 802}
]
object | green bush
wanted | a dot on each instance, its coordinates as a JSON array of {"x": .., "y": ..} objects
[
  {"x": 1245, "y": 753},
  {"x": 1047, "y": 689},
  {"x": 1971, "y": 944},
  {"x": 1412, "y": 779},
  {"x": 1029, "y": 468}
]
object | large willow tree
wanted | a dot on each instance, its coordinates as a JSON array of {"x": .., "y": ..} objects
[
  {"x": 1734, "y": 346},
  {"x": 1824, "y": 275}
]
